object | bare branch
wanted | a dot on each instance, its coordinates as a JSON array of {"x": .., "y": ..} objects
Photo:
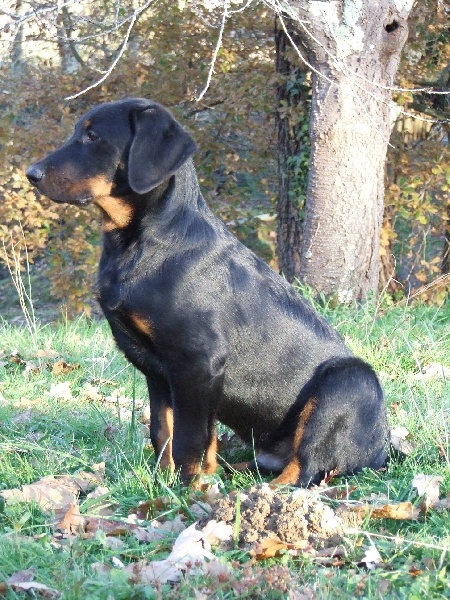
[
  {"x": 113, "y": 64},
  {"x": 226, "y": 5}
]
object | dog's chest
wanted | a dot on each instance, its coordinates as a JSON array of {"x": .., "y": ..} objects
[
  {"x": 133, "y": 331},
  {"x": 114, "y": 280}
]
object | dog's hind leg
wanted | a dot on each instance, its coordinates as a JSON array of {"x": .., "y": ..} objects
[{"x": 338, "y": 424}]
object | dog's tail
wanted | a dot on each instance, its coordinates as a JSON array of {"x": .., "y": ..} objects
[{"x": 337, "y": 425}]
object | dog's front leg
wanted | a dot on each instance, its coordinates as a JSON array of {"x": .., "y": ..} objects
[
  {"x": 195, "y": 439},
  {"x": 161, "y": 421}
]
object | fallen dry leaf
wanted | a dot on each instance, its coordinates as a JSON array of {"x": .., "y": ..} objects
[
  {"x": 201, "y": 502},
  {"x": 61, "y": 367},
  {"x": 34, "y": 588},
  {"x": 116, "y": 544},
  {"x": 31, "y": 367},
  {"x": 158, "y": 530},
  {"x": 200, "y": 510},
  {"x": 54, "y": 493},
  {"x": 72, "y": 522},
  {"x": 50, "y": 493},
  {"x": 86, "y": 480},
  {"x": 22, "y": 581},
  {"x": 444, "y": 503},
  {"x": 400, "y": 511},
  {"x": 427, "y": 486},
  {"x": 61, "y": 390},
  {"x": 91, "y": 392},
  {"x": 110, "y": 527},
  {"x": 433, "y": 371},
  {"x": 161, "y": 571},
  {"x": 338, "y": 493},
  {"x": 21, "y": 576},
  {"x": 273, "y": 546},
  {"x": 99, "y": 492},
  {"x": 216, "y": 532},
  {"x": 371, "y": 557},
  {"x": 147, "y": 510},
  {"x": 191, "y": 551},
  {"x": 47, "y": 353},
  {"x": 100, "y": 503},
  {"x": 117, "y": 563},
  {"x": 399, "y": 440},
  {"x": 415, "y": 572},
  {"x": 330, "y": 557}
]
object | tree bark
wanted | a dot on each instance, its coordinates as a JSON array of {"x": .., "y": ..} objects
[
  {"x": 289, "y": 204},
  {"x": 17, "y": 64},
  {"x": 353, "y": 47}
]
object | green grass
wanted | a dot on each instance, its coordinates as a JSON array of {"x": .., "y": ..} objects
[{"x": 41, "y": 434}]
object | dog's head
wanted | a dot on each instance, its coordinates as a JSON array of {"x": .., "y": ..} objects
[{"x": 117, "y": 149}]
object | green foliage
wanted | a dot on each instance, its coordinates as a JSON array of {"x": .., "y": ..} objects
[
  {"x": 168, "y": 58},
  {"x": 417, "y": 194},
  {"x": 297, "y": 112}
]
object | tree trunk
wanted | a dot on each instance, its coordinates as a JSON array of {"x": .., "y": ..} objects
[
  {"x": 69, "y": 58},
  {"x": 289, "y": 204},
  {"x": 17, "y": 64},
  {"x": 354, "y": 49}
]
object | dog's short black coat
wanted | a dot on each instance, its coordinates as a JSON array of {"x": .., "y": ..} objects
[{"x": 217, "y": 333}]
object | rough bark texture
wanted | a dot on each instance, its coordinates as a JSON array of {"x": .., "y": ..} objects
[
  {"x": 354, "y": 48},
  {"x": 288, "y": 222}
]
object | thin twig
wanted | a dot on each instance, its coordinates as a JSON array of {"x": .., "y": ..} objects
[
  {"x": 440, "y": 281},
  {"x": 113, "y": 64},
  {"x": 216, "y": 50}
]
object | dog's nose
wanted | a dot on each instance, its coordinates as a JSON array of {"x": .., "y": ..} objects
[{"x": 34, "y": 174}]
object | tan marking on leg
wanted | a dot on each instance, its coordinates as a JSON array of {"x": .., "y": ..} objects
[
  {"x": 193, "y": 471},
  {"x": 142, "y": 324},
  {"x": 291, "y": 471},
  {"x": 209, "y": 463},
  {"x": 165, "y": 437}
]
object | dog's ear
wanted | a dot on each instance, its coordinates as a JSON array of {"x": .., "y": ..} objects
[{"x": 159, "y": 148}]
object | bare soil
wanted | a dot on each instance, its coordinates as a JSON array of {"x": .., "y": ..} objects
[{"x": 265, "y": 512}]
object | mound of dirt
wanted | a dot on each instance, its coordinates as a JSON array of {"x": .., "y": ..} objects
[{"x": 265, "y": 512}]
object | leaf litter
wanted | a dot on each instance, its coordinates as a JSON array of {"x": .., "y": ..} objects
[
  {"x": 263, "y": 521},
  {"x": 53, "y": 493}
]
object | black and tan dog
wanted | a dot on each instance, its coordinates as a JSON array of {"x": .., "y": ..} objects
[{"x": 218, "y": 334}]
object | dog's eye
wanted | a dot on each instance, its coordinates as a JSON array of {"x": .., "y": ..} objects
[{"x": 92, "y": 135}]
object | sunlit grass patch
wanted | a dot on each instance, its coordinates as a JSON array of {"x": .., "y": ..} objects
[{"x": 70, "y": 402}]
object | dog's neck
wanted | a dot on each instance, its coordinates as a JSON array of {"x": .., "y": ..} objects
[{"x": 125, "y": 216}]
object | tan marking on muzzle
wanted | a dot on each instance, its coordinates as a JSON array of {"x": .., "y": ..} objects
[{"x": 117, "y": 212}]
